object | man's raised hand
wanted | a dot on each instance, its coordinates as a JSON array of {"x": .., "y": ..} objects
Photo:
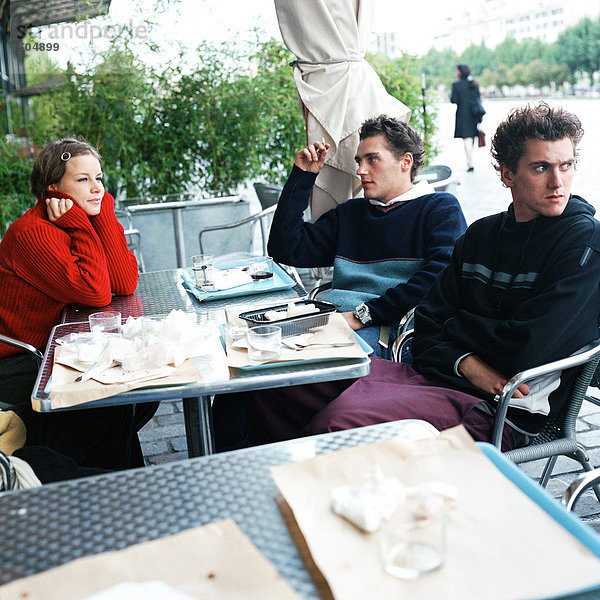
[{"x": 312, "y": 157}]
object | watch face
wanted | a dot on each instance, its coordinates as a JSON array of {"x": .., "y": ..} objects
[{"x": 363, "y": 314}]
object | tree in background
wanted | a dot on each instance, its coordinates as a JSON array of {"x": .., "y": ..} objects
[
  {"x": 579, "y": 47},
  {"x": 529, "y": 62},
  {"x": 402, "y": 79}
]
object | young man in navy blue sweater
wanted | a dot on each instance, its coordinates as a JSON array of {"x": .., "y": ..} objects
[{"x": 386, "y": 248}]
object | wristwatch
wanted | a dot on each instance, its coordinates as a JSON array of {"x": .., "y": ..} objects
[{"x": 363, "y": 314}]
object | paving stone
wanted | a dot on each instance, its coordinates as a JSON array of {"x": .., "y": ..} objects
[
  {"x": 153, "y": 448},
  {"x": 590, "y": 439},
  {"x": 170, "y": 419},
  {"x": 165, "y": 432},
  {"x": 593, "y": 420},
  {"x": 179, "y": 444},
  {"x": 589, "y": 408},
  {"x": 164, "y": 408},
  {"x": 149, "y": 433}
]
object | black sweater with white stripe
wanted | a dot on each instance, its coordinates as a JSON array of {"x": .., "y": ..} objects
[{"x": 517, "y": 295}]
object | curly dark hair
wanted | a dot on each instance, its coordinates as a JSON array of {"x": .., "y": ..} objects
[
  {"x": 401, "y": 138},
  {"x": 539, "y": 122},
  {"x": 49, "y": 168}
]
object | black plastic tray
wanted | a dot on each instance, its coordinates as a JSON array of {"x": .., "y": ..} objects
[{"x": 292, "y": 325}]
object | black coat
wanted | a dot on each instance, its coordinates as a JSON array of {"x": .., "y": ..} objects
[{"x": 464, "y": 92}]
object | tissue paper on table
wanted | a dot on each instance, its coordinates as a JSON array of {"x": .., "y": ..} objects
[
  {"x": 149, "y": 349},
  {"x": 145, "y": 343},
  {"x": 163, "y": 341},
  {"x": 224, "y": 279}
]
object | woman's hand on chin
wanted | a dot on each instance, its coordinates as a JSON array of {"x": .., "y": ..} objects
[{"x": 57, "y": 207}]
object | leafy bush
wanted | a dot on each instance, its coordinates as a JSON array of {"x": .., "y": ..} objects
[
  {"x": 16, "y": 160},
  {"x": 233, "y": 117},
  {"x": 401, "y": 79}
]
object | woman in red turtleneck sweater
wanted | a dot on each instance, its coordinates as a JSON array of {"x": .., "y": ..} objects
[{"x": 68, "y": 248}]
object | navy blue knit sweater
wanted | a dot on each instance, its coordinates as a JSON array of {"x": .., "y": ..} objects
[
  {"x": 386, "y": 258},
  {"x": 517, "y": 295}
]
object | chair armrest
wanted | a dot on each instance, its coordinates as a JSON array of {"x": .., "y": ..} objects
[
  {"x": 578, "y": 486},
  {"x": 404, "y": 335},
  {"x": 529, "y": 374},
  {"x": 320, "y": 288},
  {"x": 22, "y": 346}
]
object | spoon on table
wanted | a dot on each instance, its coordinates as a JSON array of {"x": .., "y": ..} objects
[{"x": 294, "y": 346}]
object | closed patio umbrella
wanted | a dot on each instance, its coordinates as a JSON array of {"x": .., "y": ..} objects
[{"x": 337, "y": 87}]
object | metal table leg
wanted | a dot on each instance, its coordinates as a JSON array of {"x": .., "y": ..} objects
[
  {"x": 197, "y": 413},
  {"x": 179, "y": 240}
]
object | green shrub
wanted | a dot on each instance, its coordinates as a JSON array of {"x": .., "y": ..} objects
[{"x": 16, "y": 160}]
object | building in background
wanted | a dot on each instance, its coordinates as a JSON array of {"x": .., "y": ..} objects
[{"x": 491, "y": 21}]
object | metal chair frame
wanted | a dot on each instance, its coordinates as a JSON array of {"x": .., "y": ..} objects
[
  {"x": 132, "y": 236},
  {"x": 579, "y": 485},
  {"x": 37, "y": 354},
  {"x": 558, "y": 436},
  {"x": 263, "y": 219},
  {"x": 268, "y": 195}
]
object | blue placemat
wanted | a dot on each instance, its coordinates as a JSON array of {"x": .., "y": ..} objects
[{"x": 280, "y": 281}]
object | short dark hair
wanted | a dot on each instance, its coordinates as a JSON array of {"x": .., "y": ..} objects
[
  {"x": 400, "y": 137},
  {"x": 540, "y": 122},
  {"x": 51, "y": 162}
]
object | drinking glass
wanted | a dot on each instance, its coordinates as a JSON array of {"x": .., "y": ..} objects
[
  {"x": 200, "y": 264},
  {"x": 264, "y": 342},
  {"x": 412, "y": 545},
  {"x": 105, "y": 322},
  {"x": 260, "y": 267}
]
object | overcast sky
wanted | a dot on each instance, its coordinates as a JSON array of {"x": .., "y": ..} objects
[{"x": 188, "y": 22}]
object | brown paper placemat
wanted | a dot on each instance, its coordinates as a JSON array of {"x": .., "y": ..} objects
[
  {"x": 500, "y": 544},
  {"x": 213, "y": 561},
  {"x": 66, "y": 392},
  {"x": 337, "y": 330}
]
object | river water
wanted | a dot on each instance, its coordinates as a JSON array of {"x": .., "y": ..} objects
[{"x": 480, "y": 192}]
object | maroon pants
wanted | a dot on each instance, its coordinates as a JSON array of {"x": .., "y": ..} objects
[{"x": 391, "y": 392}]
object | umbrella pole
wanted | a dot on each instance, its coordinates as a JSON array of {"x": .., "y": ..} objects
[{"x": 423, "y": 88}]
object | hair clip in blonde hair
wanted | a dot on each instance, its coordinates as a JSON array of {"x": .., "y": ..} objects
[{"x": 65, "y": 156}]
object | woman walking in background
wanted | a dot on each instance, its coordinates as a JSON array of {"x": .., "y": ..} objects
[{"x": 469, "y": 110}]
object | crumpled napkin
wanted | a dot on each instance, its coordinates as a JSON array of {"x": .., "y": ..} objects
[
  {"x": 224, "y": 279},
  {"x": 146, "y": 344},
  {"x": 375, "y": 500},
  {"x": 163, "y": 341}
]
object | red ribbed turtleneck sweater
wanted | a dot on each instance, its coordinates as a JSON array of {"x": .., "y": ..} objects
[{"x": 44, "y": 266}]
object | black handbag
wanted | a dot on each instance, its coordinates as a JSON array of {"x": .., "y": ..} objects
[{"x": 477, "y": 109}]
